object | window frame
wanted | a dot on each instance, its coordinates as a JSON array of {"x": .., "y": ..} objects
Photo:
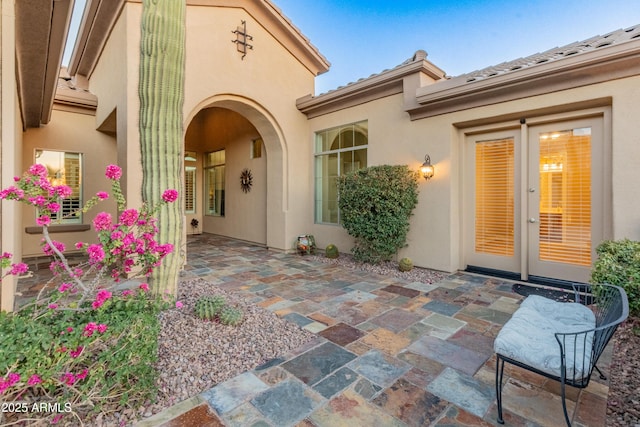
[
  {"x": 217, "y": 168},
  {"x": 361, "y": 127},
  {"x": 58, "y": 217},
  {"x": 190, "y": 193}
]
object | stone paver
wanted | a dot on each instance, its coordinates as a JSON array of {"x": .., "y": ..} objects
[{"x": 388, "y": 352}]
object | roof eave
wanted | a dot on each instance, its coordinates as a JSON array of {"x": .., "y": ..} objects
[
  {"x": 387, "y": 83},
  {"x": 589, "y": 68},
  {"x": 39, "y": 56}
]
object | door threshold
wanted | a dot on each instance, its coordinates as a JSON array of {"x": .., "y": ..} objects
[{"x": 537, "y": 280}]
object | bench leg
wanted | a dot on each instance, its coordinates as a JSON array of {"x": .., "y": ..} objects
[
  {"x": 499, "y": 376},
  {"x": 564, "y": 403}
]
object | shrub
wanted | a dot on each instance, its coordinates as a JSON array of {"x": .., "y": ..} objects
[
  {"x": 87, "y": 361},
  {"x": 375, "y": 206},
  {"x": 79, "y": 345},
  {"x": 619, "y": 264}
]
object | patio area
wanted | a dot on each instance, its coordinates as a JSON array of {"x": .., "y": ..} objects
[{"x": 388, "y": 352}]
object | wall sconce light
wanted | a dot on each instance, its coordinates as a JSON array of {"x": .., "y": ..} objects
[{"x": 427, "y": 168}]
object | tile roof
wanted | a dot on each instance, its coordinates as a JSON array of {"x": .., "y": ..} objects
[
  {"x": 613, "y": 38},
  {"x": 576, "y": 48}
]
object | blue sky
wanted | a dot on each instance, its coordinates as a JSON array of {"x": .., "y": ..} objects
[{"x": 361, "y": 37}]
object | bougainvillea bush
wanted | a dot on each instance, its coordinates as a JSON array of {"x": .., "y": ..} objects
[{"x": 88, "y": 342}]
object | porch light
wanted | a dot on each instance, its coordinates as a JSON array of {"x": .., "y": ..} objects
[{"x": 427, "y": 168}]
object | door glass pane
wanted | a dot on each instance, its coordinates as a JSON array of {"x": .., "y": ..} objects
[
  {"x": 494, "y": 199},
  {"x": 565, "y": 196}
]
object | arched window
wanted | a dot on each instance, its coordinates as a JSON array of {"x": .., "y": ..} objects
[{"x": 338, "y": 151}]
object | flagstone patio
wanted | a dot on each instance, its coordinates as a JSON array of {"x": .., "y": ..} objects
[{"x": 388, "y": 352}]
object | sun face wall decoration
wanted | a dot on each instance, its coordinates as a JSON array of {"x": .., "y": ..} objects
[{"x": 246, "y": 180}]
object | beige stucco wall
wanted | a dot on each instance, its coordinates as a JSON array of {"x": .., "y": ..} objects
[
  {"x": 114, "y": 81},
  {"x": 262, "y": 87},
  {"x": 71, "y": 132},
  {"x": 435, "y": 238},
  {"x": 10, "y": 148},
  {"x": 215, "y": 129}
]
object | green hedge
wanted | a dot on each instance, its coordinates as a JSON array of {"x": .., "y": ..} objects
[
  {"x": 375, "y": 206},
  {"x": 619, "y": 264}
]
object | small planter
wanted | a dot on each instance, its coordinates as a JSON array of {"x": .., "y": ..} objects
[{"x": 306, "y": 244}]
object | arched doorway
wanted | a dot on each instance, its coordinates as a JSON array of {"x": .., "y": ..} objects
[{"x": 232, "y": 138}]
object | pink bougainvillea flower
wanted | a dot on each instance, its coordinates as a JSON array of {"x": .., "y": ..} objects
[
  {"x": 170, "y": 195},
  {"x": 12, "y": 193},
  {"x": 68, "y": 378},
  {"x": 102, "y": 328},
  {"x": 89, "y": 329},
  {"x": 113, "y": 172},
  {"x": 37, "y": 200},
  {"x": 179, "y": 304},
  {"x": 69, "y": 329},
  {"x": 43, "y": 220},
  {"x": 39, "y": 170},
  {"x": 46, "y": 248},
  {"x": 34, "y": 379},
  {"x": 96, "y": 253},
  {"x": 103, "y": 295},
  {"x": 127, "y": 292},
  {"x": 64, "y": 287},
  {"x": 53, "y": 306},
  {"x": 63, "y": 191},
  {"x": 102, "y": 221},
  {"x": 165, "y": 249},
  {"x": 13, "y": 378},
  {"x": 144, "y": 287},
  {"x": 18, "y": 268},
  {"x": 53, "y": 206},
  {"x": 77, "y": 352},
  {"x": 102, "y": 195},
  {"x": 129, "y": 217},
  {"x": 79, "y": 245},
  {"x": 82, "y": 375}
]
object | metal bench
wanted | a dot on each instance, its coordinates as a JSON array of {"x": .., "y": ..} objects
[{"x": 561, "y": 340}]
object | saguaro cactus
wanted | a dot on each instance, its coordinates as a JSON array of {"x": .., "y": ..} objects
[{"x": 161, "y": 92}]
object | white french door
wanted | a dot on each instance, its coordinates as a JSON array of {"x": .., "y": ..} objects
[{"x": 534, "y": 199}]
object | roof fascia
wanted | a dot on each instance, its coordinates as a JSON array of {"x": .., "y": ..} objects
[
  {"x": 38, "y": 60},
  {"x": 100, "y": 16},
  {"x": 377, "y": 86},
  {"x": 611, "y": 63},
  {"x": 98, "y": 20}
]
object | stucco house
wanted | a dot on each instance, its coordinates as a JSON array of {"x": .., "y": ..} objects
[{"x": 535, "y": 159}]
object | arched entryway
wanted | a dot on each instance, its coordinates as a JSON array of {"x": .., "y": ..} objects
[{"x": 238, "y": 176}]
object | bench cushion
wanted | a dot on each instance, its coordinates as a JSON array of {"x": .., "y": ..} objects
[{"x": 529, "y": 336}]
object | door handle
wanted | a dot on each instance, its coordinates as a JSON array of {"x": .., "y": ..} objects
[{"x": 532, "y": 220}]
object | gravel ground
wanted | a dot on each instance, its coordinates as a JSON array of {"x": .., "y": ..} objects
[{"x": 623, "y": 406}]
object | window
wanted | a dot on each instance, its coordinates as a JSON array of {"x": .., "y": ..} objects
[
  {"x": 214, "y": 183},
  {"x": 256, "y": 148},
  {"x": 337, "y": 151},
  {"x": 190, "y": 189},
  {"x": 64, "y": 169}
]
